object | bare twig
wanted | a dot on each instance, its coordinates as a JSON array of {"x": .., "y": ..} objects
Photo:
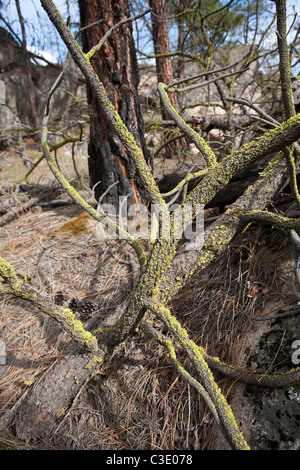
[
  {"x": 256, "y": 108},
  {"x": 208, "y": 72},
  {"x": 207, "y": 82},
  {"x": 98, "y": 46}
]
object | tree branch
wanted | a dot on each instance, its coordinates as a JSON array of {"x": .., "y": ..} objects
[
  {"x": 195, "y": 353},
  {"x": 284, "y": 60},
  {"x": 200, "y": 143},
  {"x": 98, "y": 46},
  {"x": 63, "y": 316}
]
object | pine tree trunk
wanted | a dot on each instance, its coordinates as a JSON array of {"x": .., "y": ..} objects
[
  {"x": 161, "y": 45},
  {"x": 116, "y": 66},
  {"x": 163, "y": 62},
  {"x": 31, "y": 97},
  {"x": 180, "y": 47}
]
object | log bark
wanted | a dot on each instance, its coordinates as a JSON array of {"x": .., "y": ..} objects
[{"x": 48, "y": 401}]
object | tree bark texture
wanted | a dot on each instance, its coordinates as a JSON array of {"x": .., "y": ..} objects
[
  {"x": 161, "y": 43},
  {"x": 116, "y": 66},
  {"x": 50, "y": 399},
  {"x": 31, "y": 97},
  {"x": 163, "y": 64}
]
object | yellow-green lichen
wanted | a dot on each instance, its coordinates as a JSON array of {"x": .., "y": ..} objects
[
  {"x": 77, "y": 327},
  {"x": 93, "y": 360},
  {"x": 7, "y": 271},
  {"x": 27, "y": 382},
  {"x": 196, "y": 355},
  {"x": 60, "y": 412}
]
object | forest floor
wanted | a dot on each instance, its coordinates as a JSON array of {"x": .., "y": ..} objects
[{"x": 140, "y": 403}]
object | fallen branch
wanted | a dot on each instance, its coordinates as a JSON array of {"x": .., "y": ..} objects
[{"x": 16, "y": 211}]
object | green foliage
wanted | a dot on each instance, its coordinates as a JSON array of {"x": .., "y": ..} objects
[{"x": 208, "y": 24}]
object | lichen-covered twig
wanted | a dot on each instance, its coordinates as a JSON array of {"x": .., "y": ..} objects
[
  {"x": 200, "y": 143},
  {"x": 290, "y": 161},
  {"x": 185, "y": 180},
  {"x": 170, "y": 347},
  {"x": 98, "y": 46},
  {"x": 284, "y": 60},
  {"x": 193, "y": 351},
  {"x": 196, "y": 356},
  {"x": 64, "y": 316},
  {"x": 264, "y": 216}
]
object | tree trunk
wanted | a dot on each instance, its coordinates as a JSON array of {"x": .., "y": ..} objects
[
  {"x": 180, "y": 46},
  {"x": 33, "y": 113},
  {"x": 161, "y": 44},
  {"x": 163, "y": 64},
  {"x": 116, "y": 66}
]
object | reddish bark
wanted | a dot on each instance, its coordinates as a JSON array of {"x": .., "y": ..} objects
[
  {"x": 161, "y": 45},
  {"x": 116, "y": 66},
  {"x": 163, "y": 64}
]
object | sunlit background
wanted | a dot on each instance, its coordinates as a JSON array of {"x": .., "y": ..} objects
[{"x": 44, "y": 40}]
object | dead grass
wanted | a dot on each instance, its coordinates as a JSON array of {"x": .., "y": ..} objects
[
  {"x": 141, "y": 403},
  {"x": 15, "y": 163}
]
